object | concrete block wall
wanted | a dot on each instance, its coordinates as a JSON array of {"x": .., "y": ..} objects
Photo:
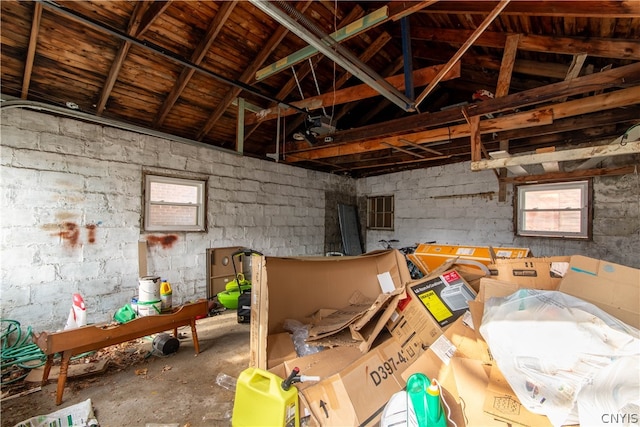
[
  {"x": 453, "y": 205},
  {"x": 71, "y": 204}
]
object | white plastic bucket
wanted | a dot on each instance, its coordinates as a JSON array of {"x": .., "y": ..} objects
[
  {"x": 149, "y": 308},
  {"x": 149, "y": 289}
]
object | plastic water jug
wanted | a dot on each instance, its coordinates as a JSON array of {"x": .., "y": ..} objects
[
  {"x": 166, "y": 295},
  {"x": 262, "y": 401},
  {"x": 77, "y": 314}
]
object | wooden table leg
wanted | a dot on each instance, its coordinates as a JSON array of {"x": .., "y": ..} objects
[
  {"x": 47, "y": 369},
  {"x": 194, "y": 335},
  {"x": 62, "y": 378}
]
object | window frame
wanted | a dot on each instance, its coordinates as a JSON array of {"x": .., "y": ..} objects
[
  {"x": 586, "y": 210},
  {"x": 200, "y": 183},
  {"x": 372, "y": 212}
]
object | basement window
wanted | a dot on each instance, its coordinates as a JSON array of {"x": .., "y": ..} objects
[
  {"x": 380, "y": 213},
  {"x": 174, "y": 204},
  {"x": 554, "y": 210}
]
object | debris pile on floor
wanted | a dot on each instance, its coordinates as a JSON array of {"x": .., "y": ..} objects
[{"x": 382, "y": 344}]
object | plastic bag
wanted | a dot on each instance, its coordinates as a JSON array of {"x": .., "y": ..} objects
[
  {"x": 300, "y": 334},
  {"x": 552, "y": 348}
]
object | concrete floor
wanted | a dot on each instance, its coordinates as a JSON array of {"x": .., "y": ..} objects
[{"x": 179, "y": 389}]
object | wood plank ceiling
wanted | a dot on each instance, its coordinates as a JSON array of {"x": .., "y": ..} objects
[{"x": 562, "y": 74}]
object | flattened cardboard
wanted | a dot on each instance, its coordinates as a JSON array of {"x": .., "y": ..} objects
[
  {"x": 358, "y": 393},
  {"x": 501, "y": 402},
  {"x": 472, "y": 379},
  {"x": 535, "y": 273},
  {"x": 612, "y": 287},
  {"x": 323, "y": 364},
  {"x": 458, "y": 341},
  {"x": 280, "y": 348},
  {"x": 364, "y": 318}
]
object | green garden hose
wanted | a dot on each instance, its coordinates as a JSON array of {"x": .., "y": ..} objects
[{"x": 17, "y": 351}]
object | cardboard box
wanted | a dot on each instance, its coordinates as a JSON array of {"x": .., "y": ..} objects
[
  {"x": 357, "y": 394},
  {"x": 297, "y": 287},
  {"x": 432, "y": 303},
  {"x": 501, "y": 402},
  {"x": 535, "y": 273},
  {"x": 280, "y": 348},
  {"x": 613, "y": 288},
  {"x": 428, "y": 257},
  {"x": 457, "y": 342}
]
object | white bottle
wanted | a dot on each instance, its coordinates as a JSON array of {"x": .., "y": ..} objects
[{"x": 77, "y": 314}]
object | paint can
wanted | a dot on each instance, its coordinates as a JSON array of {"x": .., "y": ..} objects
[
  {"x": 149, "y": 302},
  {"x": 149, "y": 308}
]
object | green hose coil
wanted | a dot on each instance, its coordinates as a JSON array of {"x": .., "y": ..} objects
[{"x": 17, "y": 350}]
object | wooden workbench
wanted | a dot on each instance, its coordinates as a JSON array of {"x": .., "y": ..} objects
[{"x": 95, "y": 337}]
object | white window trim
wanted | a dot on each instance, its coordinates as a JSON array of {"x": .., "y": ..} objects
[
  {"x": 585, "y": 210},
  {"x": 200, "y": 184}
]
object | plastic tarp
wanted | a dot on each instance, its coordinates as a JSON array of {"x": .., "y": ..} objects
[{"x": 565, "y": 358}]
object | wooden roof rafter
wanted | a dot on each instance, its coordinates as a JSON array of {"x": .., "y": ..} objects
[
  {"x": 197, "y": 57},
  {"x": 533, "y": 118},
  {"x": 143, "y": 15},
  {"x": 606, "y": 48},
  {"x": 305, "y": 69},
  {"x": 31, "y": 51},
  {"x": 248, "y": 74}
]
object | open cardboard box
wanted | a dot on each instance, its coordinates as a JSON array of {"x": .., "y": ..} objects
[
  {"x": 613, "y": 288},
  {"x": 299, "y": 287},
  {"x": 432, "y": 303}
]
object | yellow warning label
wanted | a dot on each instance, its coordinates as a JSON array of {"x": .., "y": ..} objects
[{"x": 435, "y": 306}]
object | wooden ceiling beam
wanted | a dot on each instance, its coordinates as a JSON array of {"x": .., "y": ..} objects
[
  {"x": 522, "y": 66},
  {"x": 248, "y": 74},
  {"x": 355, "y": 13},
  {"x": 604, "y": 48},
  {"x": 143, "y": 16},
  {"x": 592, "y": 122},
  {"x": 607, "y": 150},
  {"x": 533, "y": 118},
  {"x": 31, "y": 50},
  {"x": 465, "y": 46},
  {"x": 354, "y": 93},
  {"x": 369, "y": 52},
  {"x": 563, "y": 176},
  {"x": 372, "y": 111},
  {"x": 578, "y": 130},
  {"x": 398, "y": 10},
  {"x": 578, "y": 9},
  {"x": 197, "y": 56},
  {"x": 617, "y": 77}
]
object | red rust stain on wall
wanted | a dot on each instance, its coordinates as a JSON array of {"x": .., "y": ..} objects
[
  {"x": 91, "y": 230},
  {"x": 165, "y": 241},
  {"x": 70, "y": 233}
]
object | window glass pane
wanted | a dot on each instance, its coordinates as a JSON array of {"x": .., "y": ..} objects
[
  {"x": 380, "y": 212},
  {"x": 558, "y": 221},
  {"x": 173, "y": 193},
  {"x": 173, "y": 215},
  {"x": 554, "y": 199}
]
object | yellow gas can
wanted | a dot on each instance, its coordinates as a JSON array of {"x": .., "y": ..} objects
[{"x": 262, "y": 401}]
